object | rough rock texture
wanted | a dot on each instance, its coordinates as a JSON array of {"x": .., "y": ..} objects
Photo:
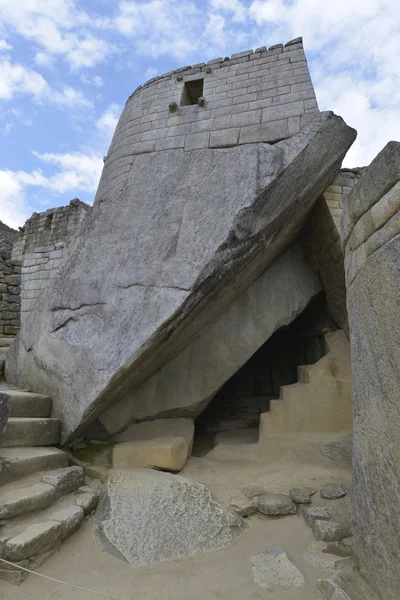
[
  {"x": 192, "y": 377},
  {"x": 146, "y": 516},
  {"x": 5, "y": 409},
  {"x": 182, "y": 236},
  {"x": 65, "y": 480},
  {"x": 274, "y": 568},
  {"x": 333, "y": 491},
  {"x": 302, "y": 495},
  {"x": 327, "y": 555},
  {"x": 341, "y": 585},
  {"x": 276, "y": 504},
  {"x": 168, "y": 454},
  {"x": 330, "y": 531},
  {"x": 370, "y": 236},
  {"x": 243, "y": 506}
]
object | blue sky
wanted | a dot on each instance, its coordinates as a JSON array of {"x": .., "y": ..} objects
[{"x": 68, "y": 66}]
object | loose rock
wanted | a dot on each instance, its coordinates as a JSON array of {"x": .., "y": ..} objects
[
  {"x": 302, "y": 495},
  {"x": 243, "y": 506},
  {"x": 276, "y": 504},
  {"x": 330, "y": 531},
  {"x": 252, "y": 490},
  {"x": 312, "y": 513},
  {"x": 88, "y": 502},
  {"x": 274, "y": 568},
  {"x": 168, "y": 454},
  {"x": 333, "y": 490}
]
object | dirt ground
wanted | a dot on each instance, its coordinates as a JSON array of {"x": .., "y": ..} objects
[{"x": 222, "y": 575}]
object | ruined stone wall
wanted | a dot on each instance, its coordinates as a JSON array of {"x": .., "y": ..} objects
[
  {"x": 10, "y": 290},
  {"x": 42, "y": 246},
  {"x": 324, "y": 245},
  {"x": 261, "y": 96}
]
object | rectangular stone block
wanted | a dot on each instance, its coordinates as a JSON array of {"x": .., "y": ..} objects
[
  {"x": 171, "y": 143},
  {"x": 224, "y": 139},
  {"x": 195, "y": 141},
  {"x": 285, "y": 111},
  {"x": 246, "y": 118},
  {"x": 266, "y": 132}
]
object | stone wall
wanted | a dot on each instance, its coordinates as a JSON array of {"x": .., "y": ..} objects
[
  {"x": 261, "y": 96},
  {"x": 42, "y": 246},
  {"x": 322, "y": 237},
  {"x": 10, "y": 290}
]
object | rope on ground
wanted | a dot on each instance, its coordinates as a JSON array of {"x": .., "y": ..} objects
[{"x": 76, "y": 587}]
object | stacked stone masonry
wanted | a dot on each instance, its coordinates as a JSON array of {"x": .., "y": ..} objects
[
  {"x": 42, "y": 246},
  {"x": 10, "y": 292},
  {"x": 261, "y": 96},
  {"x": 324, "y": 245}
]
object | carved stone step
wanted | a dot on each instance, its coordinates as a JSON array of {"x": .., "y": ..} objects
[
  {"x": 17, "y": 462},
  {"x": 31, "y": 432}
]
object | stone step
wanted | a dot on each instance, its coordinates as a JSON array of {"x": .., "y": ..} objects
[
  {"x": 27, "y": 404},
  {"x": 17, "y": 462},
  {"x": 16, "y": 501},
  {"x": 287, "y": 389},
  {"x": 31, "y": 432},
  {"x": 303, "y": 373}
]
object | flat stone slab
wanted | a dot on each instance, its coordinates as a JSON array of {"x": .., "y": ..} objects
[
  {"x": 88, "y": 501},
  {"x": 65, "y": 480},
  {"x": 252, "y": 490},
  {"x": 36, "y": 539},
  {"x": 302, "y": 495},
  {"x": 332, "y": 491},
  {"x": 159, "y": 428},
  {"x": 168, "y": 454},
  {"x": 276, "y": 504},
  {"x": 26, "y": 431},
  {"x": 24, "y": 460},
  {"x": 15, "y": 502},
  {"x": 70, "y": 519},
  {"x": 146, "y": 516},
  {"x": 275, "y": 569},
  {"x": 325, "y": 555}
]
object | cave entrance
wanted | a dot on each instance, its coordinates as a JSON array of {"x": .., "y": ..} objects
[{"x": 238, "y": 404}]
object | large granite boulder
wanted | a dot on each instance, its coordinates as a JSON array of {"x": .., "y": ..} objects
[
  {"x": 371, "y": 240},
  {"x": 146, "y": 516},
  {"x": 163, "y": 252},
  {"x": 5, "y": 409}
]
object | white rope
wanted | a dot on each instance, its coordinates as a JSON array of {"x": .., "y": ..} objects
[{"x": 77, "y": 587}]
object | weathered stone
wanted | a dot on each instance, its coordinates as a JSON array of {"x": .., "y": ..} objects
[
  {"x": 65, "y": 480},
  {"x": 327, "y": 555},
  {"x": 373, "y": 301},
  {"x": 276, "y": 504},
  {"x": 16, "y": 501},
  {"x": 329, "y": 531},
  {"x": 302, "y": 495},
  {"x": 70, "y": 519},
  {"x": 147, "y": 516},
  {"x": 39, "y": 537},
  {"x": 243, "y": 506},
  {"x": 251, "y": 490},
  {"x": 97, "y": 472},
  {"x": 5, "y": 409},
  {"x": 340, "y": 585},
  {"x": 178, "y": 260},
  {"x": 274, "y": 568},
  {"x": 160, "y": 428},
  {"x": 88, "y": 501},
  {"x": 332, "y": 491},
  {"x": 313, "y": 513},
  {"x": 168, "y": 454}
]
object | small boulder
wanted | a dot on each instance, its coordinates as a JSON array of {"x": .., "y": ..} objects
[
  {"x": 274, "y": 568},
  {"x": 314, "y": 513},
  {"x": 302, "y": 495},
  {"x": 146, "y": 516},
  {"x": 332, "y": 491},
  {"x": 251, "y": 490},
  {"x": 87, "y": 501},
  {"x": 167, "y": 454},
  {"x": 276, "y": 504},
  {"x": 330, "y": 531},
  {"x": 243, "y": 506}
]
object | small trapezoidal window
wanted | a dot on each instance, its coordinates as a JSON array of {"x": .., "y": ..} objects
[{"x": 192, "y": 91}]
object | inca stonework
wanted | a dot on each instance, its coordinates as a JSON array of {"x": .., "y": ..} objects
[{"x": 212, "y": 293}]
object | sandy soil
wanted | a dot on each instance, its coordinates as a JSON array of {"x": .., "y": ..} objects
[{"x": 222, "y": 575}]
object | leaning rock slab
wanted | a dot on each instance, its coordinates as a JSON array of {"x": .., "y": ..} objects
[
  {"x": 172, "y": 245},
  {"x": 168, "y": 454},
  {"x": 370, "y": 232},
  {"x": 146, "y": 516},
  {"x": 274, "y": 568}
]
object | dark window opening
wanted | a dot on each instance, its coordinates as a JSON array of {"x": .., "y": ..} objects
[{"x": 192, "y": 91}]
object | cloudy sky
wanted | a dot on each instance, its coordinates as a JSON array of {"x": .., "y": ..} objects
[{"x": 68, "y": 66}]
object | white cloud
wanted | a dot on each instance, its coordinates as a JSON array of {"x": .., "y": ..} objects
[
  {"x": 76, "y": 171},
  {"x": 13, "y": 206},
  {"x": 96, "y": 80},
  {"x": 236, "y": 8},
  {"x": 4, "y": 47},
  {"x": 59, "y": 27},
  {"x": 42, "y": 59},
  {"x": 107, "y": 123}
]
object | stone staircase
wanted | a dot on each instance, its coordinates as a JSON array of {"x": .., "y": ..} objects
[
  {"x": 320, "y": 402},
  {"x": 43, "y": 500}
]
